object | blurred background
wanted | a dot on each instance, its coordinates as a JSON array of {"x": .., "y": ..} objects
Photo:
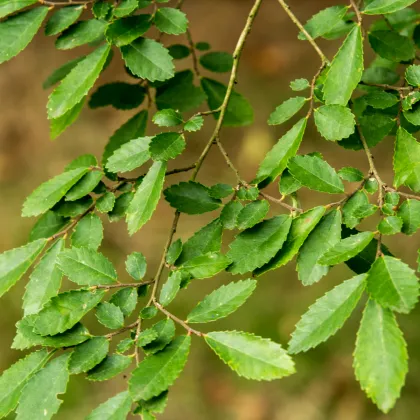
[{"x": 324, "y": 386}]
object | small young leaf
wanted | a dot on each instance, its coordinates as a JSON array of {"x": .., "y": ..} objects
[
  {"x": 125, "y": 299},
  {"x": 65, "y": 310},
  {"x": 157, "y": 372},
  {"x": 62, "y": 19},
  {"x": 347, "y": 248},
  {"x": 324, "y": 236},
  {"x": 106, "y": 202},
  {"x": 85, "y": 266},
  {"x": 194, "y": 123},
  {"x": 170, "y": 288},
  {"x": 390, "y": 225},
  {"x": 110, "y": 367},
  {"x": 346, "y": 70},
  {"x": 148, "y": 59},
  {"x": 380, "y": 356},
  {"x": 88, "y": 232},
  {"x": 125, "y": 7},
  {"x": 409, "y": 212},
  {"x": 166, "y": 332},
  {"x": 251, "y": 356},
  {"x": 255, "y": 247},
  {"x": 77, "y": 83},
  {"x": 14, "y": 379},
  {"x": 351, "y": 174},
  {"x": 167, "y": 118},
  {"x": 146, "y": 198},
  {"x": 327, "y": 315},
  {"x": 136, "y": 265},
  {"x": 174, "y": 252},
  {"x": 316, "y": 174},
  {"x": 45, "y": 280},
  {"x": 89, "y": 354},
  {"x": 148, "y": 312},
  {"x": 17, "y": 31},
  {"x": 171, "y": 21},
  {"x": 110, "y": 315},
  {"x": 286, "y": 110},
  {"x": 393, "y": 284},
  {"x": 229, "y": 214},
  {"x": 298, "y": 85},
  {"x": 15, "y": 262},
  {"x": 334, "y": 122},
  {"x": 222, "y": 301},
  {"x": 39, "y": 397},
  {"x": 115, "y": 408}
]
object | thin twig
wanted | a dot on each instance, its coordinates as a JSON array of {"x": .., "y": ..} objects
[
  {"x": 281, "y": 203},
  {"x": 121, "y": 285},
  {"x": 193, "y": 53},
  {"x": 296, "y": 21},
  {"x": 402, "y": 193},
  {"x": 123, "y": 329},
  {"x": 177, "y": 320},
  {"x": 388, "y": 87},
  {"x": 170, "y": 172},
  {"x": 313, "y": 83},
  {"x": 357, "y": 11}
]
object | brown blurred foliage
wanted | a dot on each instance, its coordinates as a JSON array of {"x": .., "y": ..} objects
[{"x": 324, "y": 386}]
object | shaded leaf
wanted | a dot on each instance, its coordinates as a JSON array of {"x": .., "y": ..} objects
[{"x": 89, "y": 354}]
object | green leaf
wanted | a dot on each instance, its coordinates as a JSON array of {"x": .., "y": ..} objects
[
  {"x": 301, "y": 227},
  {"x": 148, "y": 59},
  {"x": 121, "y": 206},
  {"x": 406, "y": 160},
  {"x": 191, "y": 198},
  {"x": 135, "y": 127},
  {"x": 287, "y": 184},
  {"x": 351, "y": 174},
  {"x": 44, "y": 282},
  {"x": 124, "y": 345},
  {"x": 115, "y": 408},
  {"x": 65, "y": 310},
  {"x": 166, "y": 146},
  {"x": 146, "y": 197},
  {"x": 316, "y": 174},
  {"x": 217, "y": 61},
  {"x": 110, "y": 315},
  {"x": 167, "y": 118},
  {"x": 15, "y": 262},
  {"x": 74, "y": 208},
  {"x": 334, "y": 122},
  {"x": 17, "y": 31},
  {"x": 252, "y": 214},
  {"x": 347, "y": 248},
  {"x": 379, "y": 99},
  {"x": 26, "y": 337},
  {"x": 275, "y": 161},
  {"x": 287, "y": 110},
  {"x": 393, "y": 284},
  {"x": 255, "y": 247},
  {"x": 47, "y": 225},
  {"x": 327, "y": 315},
  {"x": 346, "y": 70},
  {"x": 51, "y": 192},
  {"x": 9, "y": 6},
  {"x": 85, "y": 266},
  {"x": 222, "y": 301},
  {"x": 207, "y": 239},
  {"x": 120, "y": 95},
  {"x": 412, "y": 75},
  {"x": 238, "y": 112},
  {"x": 106, "y": 203},
  {"x": 136, "y": 265},
  {"x": 124, "y": 31},
  {"x": 351, "y": 209},
  {"x": 60, "y": 73},
  {"x": 174, "y": 252},
  {"x": 102, "y": 10},
  {"x": 207, "y": 265},
  {"x": 125, "y": 299},
  {"x": 409, "y": 212},
  {"x": 180, "y": 93},
  {"x": 166, "y": 332},
  {"x": 221, "y": 190},
  {"x": 379, "y": 7},
  {"x": 60, "y": 124},
  {"x": 14, "y": 379},
  {"x": 170, "y": 288},
  {"x": 229, "y": 214},
  {"x": 89, "y": 354},
  {"x": 85, "y": 185},
  {"x": 324, "y": 236},
  {"x": 171, "y": 21},
  {"x": 251, "y": 356},
  {"x": 130, "y": 155},
  {"x": 392, "y": 46},
  {"x": 157, "y": 372},
  {"x": 62, "y": 19},
  {"x": 77, "y": 83},
  {"x": 81, "y": 33},
  {"x": 154, "y": 405},
  {"x": 110, "y": 367},
  {"x": 39, "y": 397},
  {"x": 390, "y": 225},
  {"x": 88, "y": 233},
  {"x": 179, "y": 51},
  {"x": 325, "y": 20},
  {"x": 195, "y": 123},
  {"x": 125, "y": 8},
  {"x": 298, "y": 85},
  {"x": 380, "y": 357}
]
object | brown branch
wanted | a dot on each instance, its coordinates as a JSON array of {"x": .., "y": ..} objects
[
  {"x": 193, "y": 53},
  {"x": 171, "y": 172},
  {"x": 121, "y": 285},
  {"x": 122, "y": 330},
  {"x": 280, "y": 202}
]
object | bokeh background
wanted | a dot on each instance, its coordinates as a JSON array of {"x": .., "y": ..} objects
[{"x": 324, "y": 386}]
